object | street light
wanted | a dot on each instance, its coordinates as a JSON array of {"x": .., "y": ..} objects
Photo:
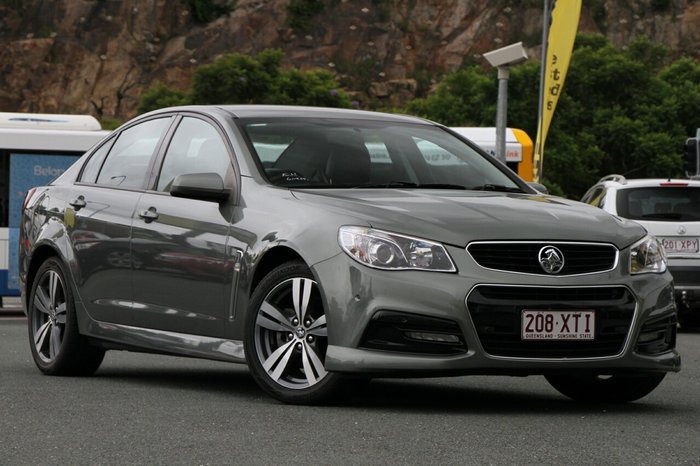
[{"x": 503, "y": 59}]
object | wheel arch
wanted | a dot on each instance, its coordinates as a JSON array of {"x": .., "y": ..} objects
[
  {"x": 39, "y": 256},
  {"x": 270, "y": 259}
]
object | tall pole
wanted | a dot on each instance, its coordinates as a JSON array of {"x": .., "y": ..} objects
[{"x": 502, "y": 112}]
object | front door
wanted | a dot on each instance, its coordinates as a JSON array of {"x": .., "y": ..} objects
[{"x": 182, "y": 273}]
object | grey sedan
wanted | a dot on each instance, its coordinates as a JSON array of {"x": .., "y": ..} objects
[{"x": 324, "y": 247}]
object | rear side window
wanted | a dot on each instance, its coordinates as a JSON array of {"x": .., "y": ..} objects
[
  {"x": 662, "y": 203},
  {"x": 92, "y": 167},
  {"x": 127, "y": 163}
]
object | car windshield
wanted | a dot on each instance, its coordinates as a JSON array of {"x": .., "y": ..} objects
[
  {"x": 660, "y": 203},
  {"x": 350, "y": 153}
]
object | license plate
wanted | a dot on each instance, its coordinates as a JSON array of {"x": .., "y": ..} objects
[
  {"x": 558, "y": 325},
  {"x": 680, "y": 245}
]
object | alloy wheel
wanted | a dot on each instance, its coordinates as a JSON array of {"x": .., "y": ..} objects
[
  {"x": 291, "y": 336},
  {"x": 49, "y": 316}
]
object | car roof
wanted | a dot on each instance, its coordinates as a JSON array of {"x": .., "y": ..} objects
[
  {"x": 267, "y": 111},
  {"x": 623, "y": 183}
]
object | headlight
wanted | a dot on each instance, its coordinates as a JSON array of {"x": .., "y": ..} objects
[
  {"x": 647, "y": 256},
  {"x": 390, "y": 251}
]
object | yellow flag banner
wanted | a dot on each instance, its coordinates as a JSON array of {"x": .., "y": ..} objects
[{"x": 560, "y": 44}]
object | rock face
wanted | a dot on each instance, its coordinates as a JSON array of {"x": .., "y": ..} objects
[{"x": 98, "y": 56}]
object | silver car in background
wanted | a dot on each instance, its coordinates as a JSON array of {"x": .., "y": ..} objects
[
  {"x": 670, "y": 210},
  {"x": 324, "y": 247}
]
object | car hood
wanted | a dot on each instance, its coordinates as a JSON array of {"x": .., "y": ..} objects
[{"x": 459, "y": 217}]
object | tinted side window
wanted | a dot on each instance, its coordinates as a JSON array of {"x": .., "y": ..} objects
[
  {"x": 196, "y": 147},
  {"x": 127, "y": 162},
  {"x": 92, "y": 167}
]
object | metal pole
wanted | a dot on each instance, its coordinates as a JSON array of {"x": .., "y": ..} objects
[{"x": 502, "y": 112}]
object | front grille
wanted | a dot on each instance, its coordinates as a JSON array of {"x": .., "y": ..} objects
[
  {"x": 522, "y": 257},
  {"x": 497, "y": 312}
]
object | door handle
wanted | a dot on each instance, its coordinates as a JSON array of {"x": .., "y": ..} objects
[
  {"x": 149, "y": 214},
  {"x": 79, "y": 203}
]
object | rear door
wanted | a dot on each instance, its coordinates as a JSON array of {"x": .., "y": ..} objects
[
  {"x": 183, "y": 276},
  {"x": 100, "y": 215}
]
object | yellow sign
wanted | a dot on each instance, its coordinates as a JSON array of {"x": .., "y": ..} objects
[{"x": 560, "y": 44}]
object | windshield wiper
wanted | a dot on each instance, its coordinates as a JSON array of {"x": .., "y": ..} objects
[
  {"x": 410, "y": 184},
  {"x": 441, "y": 186},
  {"x": 497, "y": 187}
]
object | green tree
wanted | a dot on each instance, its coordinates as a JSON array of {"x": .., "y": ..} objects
[
  {"x": 241, "y": 79},
  {"x": 466, "y": 97},
  {"x": 621, "y": 111},
  {"x": 316, "y": 88},
  {"x": 623, "y": 116},
  {"x": 158, "y": 96},
  {"x": 236, "y": 78},
  {"x": 684, "y": 78}
]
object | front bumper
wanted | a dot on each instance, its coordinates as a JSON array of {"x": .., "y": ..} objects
[{"x": 355, "y": 294}]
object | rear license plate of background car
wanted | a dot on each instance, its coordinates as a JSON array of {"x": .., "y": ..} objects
[
  {"x": 557, "y": 325},
  {"x": 680, "y": 245}
]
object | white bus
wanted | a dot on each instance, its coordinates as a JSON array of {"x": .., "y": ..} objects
[{"x": 34, "y": 149}]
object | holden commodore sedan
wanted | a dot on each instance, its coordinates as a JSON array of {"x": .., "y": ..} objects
[{"x": 325, "y": 246}]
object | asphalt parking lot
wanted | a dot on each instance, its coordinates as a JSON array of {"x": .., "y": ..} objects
[{"x": 149, "y": 409}]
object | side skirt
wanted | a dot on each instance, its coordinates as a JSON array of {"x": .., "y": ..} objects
[{"x": 126, "y": 337}]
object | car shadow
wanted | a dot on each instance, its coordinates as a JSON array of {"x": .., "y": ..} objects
[
  {"x": 397, "y": 395},
  {"x": 227, "y": 380},
  {"x": 427, "y": 396}
]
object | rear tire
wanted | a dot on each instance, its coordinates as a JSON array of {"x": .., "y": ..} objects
[
  {"x": 619, "y": 388},
  {"x": 57, "y": 346},
  {"x": 286, "y": 338}
]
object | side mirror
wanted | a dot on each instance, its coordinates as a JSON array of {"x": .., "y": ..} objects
[
  {"x": 539, "y": 187},
  {"x": 204, "y": 186}
]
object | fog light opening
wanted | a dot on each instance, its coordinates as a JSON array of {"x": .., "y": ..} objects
[
  {"x": 433, "y": 337},
  {"x": 651, "y": 336}
]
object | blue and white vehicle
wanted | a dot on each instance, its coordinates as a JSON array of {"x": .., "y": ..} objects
[{"x": 34, "y": 149}]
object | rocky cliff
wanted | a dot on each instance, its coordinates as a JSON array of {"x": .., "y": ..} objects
[{"x": 98, "y": 56}]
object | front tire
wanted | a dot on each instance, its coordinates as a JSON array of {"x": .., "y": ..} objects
[
  {"x": 57, "y": 346},
  {"x": 286, "y": 338},
  {"x": 619, "y": 388}
]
